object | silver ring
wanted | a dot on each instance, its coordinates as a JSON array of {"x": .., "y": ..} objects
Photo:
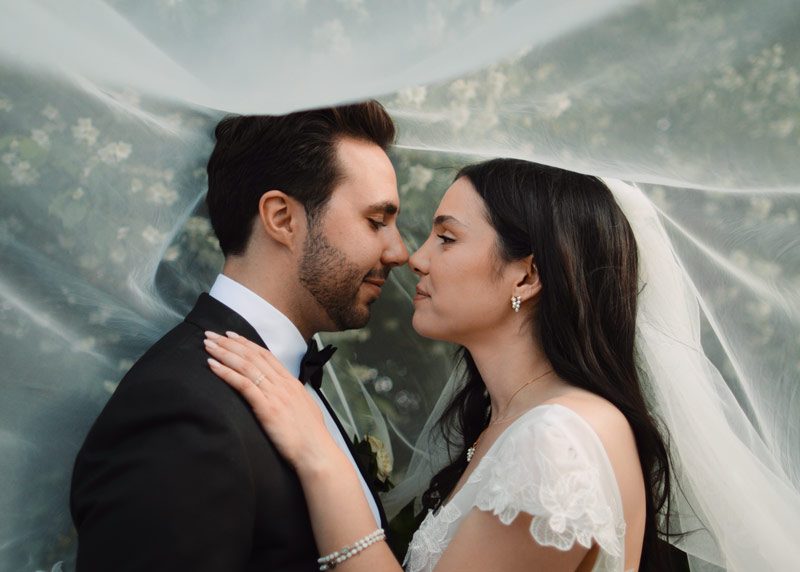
[{"x": 259, "y": 378}]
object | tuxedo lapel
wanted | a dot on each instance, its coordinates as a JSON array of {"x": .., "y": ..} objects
[
  {"x": 359, "y": 462},
  {"x": 211, "y": 314}
]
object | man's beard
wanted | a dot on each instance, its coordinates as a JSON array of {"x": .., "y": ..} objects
[{"x": 333, "y": 280}]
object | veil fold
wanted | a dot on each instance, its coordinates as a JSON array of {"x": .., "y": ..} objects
[{"x": 107, "y": 109}]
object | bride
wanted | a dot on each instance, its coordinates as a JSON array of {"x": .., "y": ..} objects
[{"x": 556, "y": 462}]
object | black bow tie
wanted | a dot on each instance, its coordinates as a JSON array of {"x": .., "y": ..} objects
[{"x": 311, "y": 366}]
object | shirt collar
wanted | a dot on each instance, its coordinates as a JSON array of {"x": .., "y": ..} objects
[{"x": 277, "y": 331}]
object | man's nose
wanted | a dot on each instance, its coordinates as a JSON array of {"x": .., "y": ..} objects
[{"x": 396, "y": 253}]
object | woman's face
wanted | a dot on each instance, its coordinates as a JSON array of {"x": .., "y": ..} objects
[{"x": 464, "y": 292}]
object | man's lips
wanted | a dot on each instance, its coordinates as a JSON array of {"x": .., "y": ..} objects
[{"x": 375, "y": 283}]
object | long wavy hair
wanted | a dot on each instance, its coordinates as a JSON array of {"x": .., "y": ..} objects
[{"x": 586, "y": 256}]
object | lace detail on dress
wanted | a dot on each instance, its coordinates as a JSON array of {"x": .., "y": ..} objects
[
  {"x": 548, "y": 471},
  {"x": 551, "y": 465},
  {"x": 431, "y": 539}
]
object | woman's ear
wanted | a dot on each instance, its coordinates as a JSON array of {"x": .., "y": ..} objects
[
  {"x": 282, "y": 218},
  {"x": 528, "y": 284}
]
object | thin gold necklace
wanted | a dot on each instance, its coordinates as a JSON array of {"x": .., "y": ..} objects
[{"x": 471, "y": 450}]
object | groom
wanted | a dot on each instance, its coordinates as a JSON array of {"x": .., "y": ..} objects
[{"x": 176, "y": 474}]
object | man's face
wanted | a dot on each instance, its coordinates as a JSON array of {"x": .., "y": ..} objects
[{"x": 354, "y": 243}]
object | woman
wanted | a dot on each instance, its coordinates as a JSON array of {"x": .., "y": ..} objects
[{"x": 559, "y": 465}]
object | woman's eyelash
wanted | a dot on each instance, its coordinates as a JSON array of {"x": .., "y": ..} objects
[
  {"x": 377, "y": 223},
  {"x": 445, "y": 239}
]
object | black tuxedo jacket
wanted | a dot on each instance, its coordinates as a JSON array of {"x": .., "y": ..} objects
[{"x": 177, "y": 475}]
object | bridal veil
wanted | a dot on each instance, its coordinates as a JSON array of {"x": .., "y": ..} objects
[{"x": 107, "y": 111}]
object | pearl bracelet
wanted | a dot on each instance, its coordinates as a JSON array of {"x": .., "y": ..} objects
[{"x": 330, "y": 561}]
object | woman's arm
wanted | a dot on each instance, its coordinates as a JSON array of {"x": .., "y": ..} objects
[
  {"x": 339, "y": 512},
  {"x": 338, "y": 509}
]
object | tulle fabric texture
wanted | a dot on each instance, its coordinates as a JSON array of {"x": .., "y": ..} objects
[{"x": 106, "y": 117}]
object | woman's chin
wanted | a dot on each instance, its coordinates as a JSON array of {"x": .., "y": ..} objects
[{"x": 426, "y": 329}]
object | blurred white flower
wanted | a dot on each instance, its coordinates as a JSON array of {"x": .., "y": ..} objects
[
  {"x": 197, "y": 225},
  {"x": 332, "y": 38},
  {"x": 85, "y": 131},
  {"x": 9, "y": 158},
  {"x": 355, "y": 5},
  {"x": 41, "y": 137},
  {"x": 497, "y": 81},
  {"x": 136, "y": 185},
  {"x": 418, "y": 178},
  {"x": 88, "y": 261},
  {"x": 556, "y": 104},
  {"x": 118, "y": 255},
  {"x": 760, "y": 207},
  {"x": 464, "y": 89},
  {"x": 115, "y": 152},
  {"x": 783, "y": 128},
  {"x": 159, "y": 194},
  {"x": 383, "y": 384},
  {"x": 544, "y": 72},
  {"x": 50, "y": 112},
  {"x": 23, "y": 173},
  {"x": 127, "y": 97},
  {"x": 122, "y": 232},
  {"x": 486, "y": 7},
  {"x": 173, "y": 121},
  {"x": 85, "y": 345},
  {"x": 152, "y": 235},
  {"x": 663, "y": 124},
  {"x": 172, "y": 253},
  {"x": 79, "y": 192},
  {"x": 5, "y": 103},
  {"x": 110, "y": 386},
  {"x": 412, "y": 96}
]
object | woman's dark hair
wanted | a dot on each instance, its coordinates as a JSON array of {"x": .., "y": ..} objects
[
  {"x": 586, "y": 256},
  {"x": 294, "y": 153}
]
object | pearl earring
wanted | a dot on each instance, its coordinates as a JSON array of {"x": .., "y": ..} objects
[{"x": 515, "y": 302}]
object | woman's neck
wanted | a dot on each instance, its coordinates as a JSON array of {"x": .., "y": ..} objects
[{"x": 506, "y": 364}]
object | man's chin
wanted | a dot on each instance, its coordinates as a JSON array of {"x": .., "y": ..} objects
[{"x": 354, "y": 319}]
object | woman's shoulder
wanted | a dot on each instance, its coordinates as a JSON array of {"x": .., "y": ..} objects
[{"x": 605, "y": 419}]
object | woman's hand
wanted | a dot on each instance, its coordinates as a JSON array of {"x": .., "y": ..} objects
[{"x": 280, "y": 402}]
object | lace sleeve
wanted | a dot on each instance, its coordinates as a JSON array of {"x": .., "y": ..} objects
[{"x": 550, "y": 464}]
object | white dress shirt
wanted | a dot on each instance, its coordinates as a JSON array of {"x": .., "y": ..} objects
[{"x": 286, "y": 343}]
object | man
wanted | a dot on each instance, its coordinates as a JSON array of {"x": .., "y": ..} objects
[{"x": 176, "y": 473}]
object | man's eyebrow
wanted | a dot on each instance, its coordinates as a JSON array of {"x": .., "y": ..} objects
[
  {"x": 387, "y": 207},
  {"x": 445, "y": 219}
]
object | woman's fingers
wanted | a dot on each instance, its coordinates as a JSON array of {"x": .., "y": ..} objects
[
  {"x": 251, "y": 349},
  {"x": 245, "y": 366},
  {"x": 241, "y": 383}
]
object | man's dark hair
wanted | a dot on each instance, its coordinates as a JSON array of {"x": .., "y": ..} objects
[{"x": 294, "y": 153}]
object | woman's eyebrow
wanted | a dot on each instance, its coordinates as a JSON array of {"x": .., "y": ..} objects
[{"x": 447, "y": 219}]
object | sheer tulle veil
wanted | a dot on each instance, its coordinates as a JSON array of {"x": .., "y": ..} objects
[{"x": 107, "y": 111}]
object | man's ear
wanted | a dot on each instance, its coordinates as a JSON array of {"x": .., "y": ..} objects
[
  {"x": 528, "y": 284},
  {"x": 282, "y": 218}
]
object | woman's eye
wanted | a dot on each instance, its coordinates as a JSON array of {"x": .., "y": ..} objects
[
  {"x": 376, "y": 223},
  {"x": 445, "y": 239}
]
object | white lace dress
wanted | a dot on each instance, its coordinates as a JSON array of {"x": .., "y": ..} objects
[{"x": 549, "y": 464}]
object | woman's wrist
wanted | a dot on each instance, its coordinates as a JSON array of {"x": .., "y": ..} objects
[{"x": 323, "y": 462}]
